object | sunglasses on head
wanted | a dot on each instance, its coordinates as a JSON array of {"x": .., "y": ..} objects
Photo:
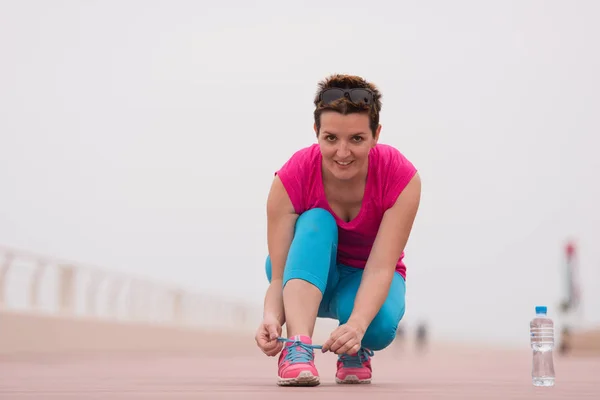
[{"x": 357, "y": 95}]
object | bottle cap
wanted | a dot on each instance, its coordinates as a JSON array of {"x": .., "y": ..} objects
[{"x": 541, "y": 309}]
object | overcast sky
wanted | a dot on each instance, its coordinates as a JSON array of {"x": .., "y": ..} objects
[{"x": 142, "y": 136}]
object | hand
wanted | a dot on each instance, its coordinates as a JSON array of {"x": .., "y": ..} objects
[
  {"x": 345, "y": 339},
  {"x": 266, "y": 336}
]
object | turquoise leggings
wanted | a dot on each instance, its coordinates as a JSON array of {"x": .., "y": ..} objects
[{"x": 312, "y": 257}]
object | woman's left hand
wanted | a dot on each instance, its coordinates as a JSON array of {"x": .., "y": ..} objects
[{"x": 345, "y": 339}]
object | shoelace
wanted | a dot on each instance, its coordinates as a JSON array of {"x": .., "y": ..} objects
[
  {"x": 356, "y": 360},
  {"x": 302, "y": 352},
  {"x": 299, "y": 352}
]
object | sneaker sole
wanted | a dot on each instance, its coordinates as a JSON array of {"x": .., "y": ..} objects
[
  {"x": 304, "y": 378},
  {"x": 352, "y": 380}
]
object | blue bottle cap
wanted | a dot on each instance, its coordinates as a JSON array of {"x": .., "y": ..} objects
[{"x": 541, "y": 309}]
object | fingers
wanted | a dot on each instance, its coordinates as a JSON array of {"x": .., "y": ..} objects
[
  {"x": 344, "y": 343},
  {"x": 342, "y": 340},
  {"x": 266, "y": 339},
  {"x": 274, "y": 332},
  {"x": 269, "y": 346},
  {"x": 274, "y": 349},
  {"x": 327, "y": 345},
  {"x": 354, "y": 349},
  {"x": 337, "y": 339}
]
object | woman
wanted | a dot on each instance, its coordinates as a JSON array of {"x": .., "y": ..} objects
[{"x": 339, "y": 214}]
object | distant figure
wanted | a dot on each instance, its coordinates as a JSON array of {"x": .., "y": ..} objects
[
  {"x": 421, "y": 339},
  {"x": 571, "y": 306},
  {"x": 400, "y": 336},
  {"x": 337, "y": 208},
  {"x": 564, "y": 346}
]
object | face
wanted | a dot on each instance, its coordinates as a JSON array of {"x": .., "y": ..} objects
[{"x": 345, "y": 142}]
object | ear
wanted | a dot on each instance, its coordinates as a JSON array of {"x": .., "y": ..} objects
[
  {"x": 315, "y": 128},
  {"x": 377, "y": 132}
]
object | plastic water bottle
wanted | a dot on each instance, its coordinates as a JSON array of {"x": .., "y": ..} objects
[{"x": 542, "y": 342}]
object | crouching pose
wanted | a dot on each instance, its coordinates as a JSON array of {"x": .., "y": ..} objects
[{"x": 339, "y": 214}]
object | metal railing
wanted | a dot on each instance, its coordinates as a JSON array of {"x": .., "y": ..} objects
[{"x": 35, "y": 283}]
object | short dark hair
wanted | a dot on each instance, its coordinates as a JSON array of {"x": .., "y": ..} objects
[{"x": 345, "y": 106}]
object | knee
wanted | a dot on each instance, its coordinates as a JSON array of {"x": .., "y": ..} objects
[
  {"x": 316, "y": 222},
  {"x": 382, "y": 331},
  {"x": 315, "y": 230}
]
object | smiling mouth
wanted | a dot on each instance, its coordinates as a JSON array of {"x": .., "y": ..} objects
[{"x": 344, "y": 163}]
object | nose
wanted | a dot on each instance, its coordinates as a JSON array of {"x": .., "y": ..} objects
[{"x": 342, "y": 151}]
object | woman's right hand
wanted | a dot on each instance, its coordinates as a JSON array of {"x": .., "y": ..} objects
[{"x": 266, "y": 336}]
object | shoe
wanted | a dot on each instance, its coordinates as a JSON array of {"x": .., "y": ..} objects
[
  {"x": 296, "y": 363},
  {"x": 354, "y": 368}
]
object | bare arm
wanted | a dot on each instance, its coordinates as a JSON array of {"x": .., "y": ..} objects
[
  {"x": 389, "y": 244},
  {"x": 281, "y": 219}
]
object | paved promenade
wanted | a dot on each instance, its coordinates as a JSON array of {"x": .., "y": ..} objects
[{"x": 234, "y": 371}]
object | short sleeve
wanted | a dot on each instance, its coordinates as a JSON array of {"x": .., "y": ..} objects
[
  {"x": 398, "y": 172},
  {"x": 293, "y": 177}
]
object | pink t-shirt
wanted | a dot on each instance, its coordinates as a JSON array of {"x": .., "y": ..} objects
[{"x": 389, "y": 173}]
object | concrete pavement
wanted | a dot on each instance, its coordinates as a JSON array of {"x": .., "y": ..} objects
[{"x": 241, "y": 372}]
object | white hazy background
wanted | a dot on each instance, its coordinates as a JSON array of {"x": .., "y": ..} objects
[{"x": 142, "y": 136}]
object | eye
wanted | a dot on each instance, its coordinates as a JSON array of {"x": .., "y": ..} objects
[
  {"x": 330, "y": 138},
  {"x": 357, "y": 139}
]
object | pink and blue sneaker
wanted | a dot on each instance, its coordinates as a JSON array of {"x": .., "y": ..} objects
[
  {"x": 296, "y": 363},
  {"x": 354, "y": 368}
]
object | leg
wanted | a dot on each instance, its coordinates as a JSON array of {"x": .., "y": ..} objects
[
  {"x": 380, "y": 333},
  {"x": 310, "y": 269}
]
